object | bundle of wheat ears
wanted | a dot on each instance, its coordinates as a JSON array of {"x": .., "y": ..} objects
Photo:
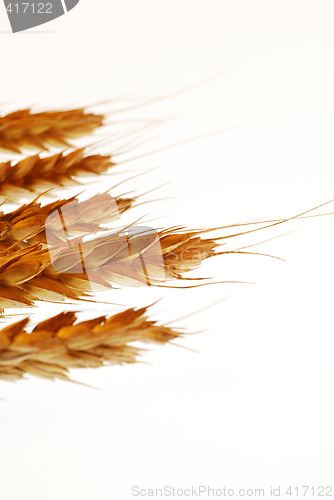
[{"x": 45, "y": 254}]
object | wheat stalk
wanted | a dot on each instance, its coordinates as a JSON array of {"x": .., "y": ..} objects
[
  {"x": 59, "y": 344},
  {"x": 23, "y": 129},
  {"x": 36, "y": 175},
  {"x": 74, "y": 269}
]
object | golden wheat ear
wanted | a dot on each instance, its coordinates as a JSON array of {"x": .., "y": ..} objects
[
  {"x": 132, "y": 256},
  {"x": 24, "y": 129},
  {"x": 35, "y": 175},
  {"x": 59, "y": 344},
  {"x": 55, "y": 222},
  {"x": 72, "y": 270}
]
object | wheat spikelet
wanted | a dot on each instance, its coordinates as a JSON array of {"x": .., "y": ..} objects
[
  {"x": 36, "y": 175},
  {"x": 59, "y": 344},
  {"x": 23, "y": 129},
  {"x": 60, "y": 219},
  {"x": 74, "y": 269}
]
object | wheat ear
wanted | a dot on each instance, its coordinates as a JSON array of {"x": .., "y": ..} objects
[
  {"x": 59, "y": 344},
  {"x": 53, "y": 223},
  {"x": 24, "y": 129},
  {"x": 36, "y": 175},
  {"x": 75, "y": 268}
]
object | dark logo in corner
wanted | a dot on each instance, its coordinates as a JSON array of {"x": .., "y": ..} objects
[{"x": 26, "y": 15}]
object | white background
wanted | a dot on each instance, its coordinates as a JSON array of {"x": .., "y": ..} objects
[{"x": 254, "y": 407}]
